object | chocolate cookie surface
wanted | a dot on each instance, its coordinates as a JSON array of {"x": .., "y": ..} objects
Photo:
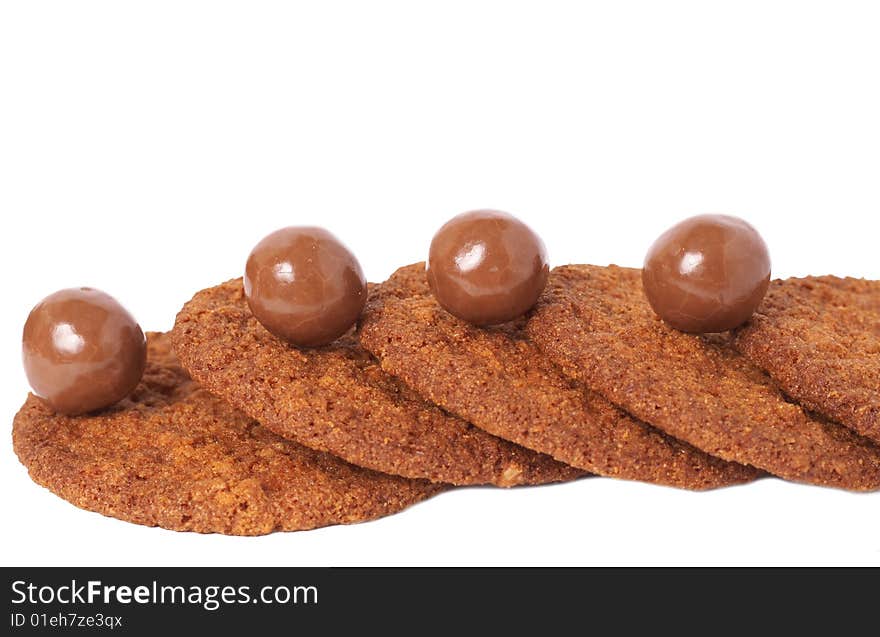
[
  {"x": 865, "y": 293},
  {"x": 595, "y": 322},
  {"x": 819, "y": 339},
  {"x": 173, "y": 456},
  {"x": 496, "y": 379},
  {"x": 337, "y": 399}
]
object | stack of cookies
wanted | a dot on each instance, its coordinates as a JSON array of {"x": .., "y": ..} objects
[{"x": 233, "y": 428}]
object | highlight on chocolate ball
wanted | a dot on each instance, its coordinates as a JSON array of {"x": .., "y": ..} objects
[
  {"x": 304, "y": 285},
  {"x": 82, "y": 351},
  {"x": 487, "y": 267},
  {"x": 707, "y": 274}
]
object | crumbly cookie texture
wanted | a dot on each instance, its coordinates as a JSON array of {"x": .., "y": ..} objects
[
  {"x": 173, "y": 456},
  {"x": 595, "y": 323},
  {"x": 819, "y": 338},
  {"x": 337, "y": 399},
  {"x": 498, "y": 380}
]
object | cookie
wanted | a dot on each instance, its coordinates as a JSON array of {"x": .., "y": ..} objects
[
  {"x": 596, "y": 324},
  {"x": 337, "y": 399},
  {"x": 171, "y": 455},
  {"x": 865, "y": 293},
  {"x": 500, "y": 382},
  {"x": 819, "y": 339}
]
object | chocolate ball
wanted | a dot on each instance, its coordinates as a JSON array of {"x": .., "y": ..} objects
[
  {"x": 304, "y": 286},
  {"x": 82, "y": 351},
  {"x": 487, "y": 267},
  {"x": 707, "y": 274}
]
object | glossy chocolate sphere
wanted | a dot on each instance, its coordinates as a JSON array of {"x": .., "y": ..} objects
[
  {"x": 82, "y": 351},
  {"x": 304, "y": 285},
  {"x": 707, "y": 274},
  {"x": 487, "y": 267}
]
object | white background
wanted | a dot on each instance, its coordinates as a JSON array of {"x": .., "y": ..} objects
[{"x": 145, "y": 147}]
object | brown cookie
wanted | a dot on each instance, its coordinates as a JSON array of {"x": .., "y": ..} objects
[
  {"x": 173, "y": 456},
  {"x": 596, "y": 323},
  {"x": 337, "y": 399},
  {"x": 499, "y": 381},
  {"x": 819, "y": 340},
  {"x": 865, "y": 293}
]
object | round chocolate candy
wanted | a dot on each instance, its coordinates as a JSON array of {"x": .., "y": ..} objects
[
  {"x": 82, "y": 351},
  {"x": 707, "y": 274},
  {"x": 304, "y": 286},
  {"x": 487, "y": 267}
]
